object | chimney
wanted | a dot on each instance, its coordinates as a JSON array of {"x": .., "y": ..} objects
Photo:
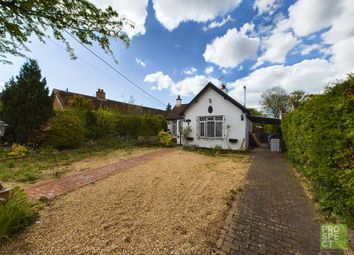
[
  {"x": 100, "y": 94},
  {"x": 223, "y": 88},
  {"x": 178, "y": 101}
]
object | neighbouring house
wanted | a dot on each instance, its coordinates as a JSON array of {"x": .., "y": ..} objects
[
  {"x": 214, "y": 119},
  {"x": 62, "y": 100}
]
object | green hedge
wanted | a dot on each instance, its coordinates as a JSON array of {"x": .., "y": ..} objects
[
  {"x": 319, "y": 138},
  {"x": 70, "y": 128}
]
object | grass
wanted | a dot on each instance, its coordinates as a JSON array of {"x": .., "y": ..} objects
[
  {"x": 16, "y": 213},
  {"x": 30, "y": 170}
]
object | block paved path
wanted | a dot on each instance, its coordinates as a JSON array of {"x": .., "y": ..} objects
[
  {"x": 273, "y": 214},
  {"x": 55, "y": 188}
]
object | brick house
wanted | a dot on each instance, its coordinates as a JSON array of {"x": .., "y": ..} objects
[{"x": 62, "y": 100}]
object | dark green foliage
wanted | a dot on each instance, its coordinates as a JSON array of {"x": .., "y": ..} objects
[
  {"x": 26, "y": 103},
  {"x": 319, "y": 137},
  {"x": 66, "y": 130},
  {"x": 21, "y": 19},
  {"x": 16, "y": 213},
  {"x": 168, "y": 107},
  {"x": 69, "y": 128}
]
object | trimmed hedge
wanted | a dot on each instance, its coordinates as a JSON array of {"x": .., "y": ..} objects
[
  {"x": 319, "y": 137},
  {"x": 71, "y": 128}
]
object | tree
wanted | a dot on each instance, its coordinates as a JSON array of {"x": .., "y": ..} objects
[
  {"x": 297, "y": 98},
  {"x": 26, "y": 102},
  {"x": 19, "y": 19},
  {"x": 255, "y": 112},
  {"x": 168, "y": 107},
  {"x": 275, "y": 101}
]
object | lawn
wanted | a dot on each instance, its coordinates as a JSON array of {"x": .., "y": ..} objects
[
  {"x": 46, "y": 166},
  {"x": 170, "y": 205}
]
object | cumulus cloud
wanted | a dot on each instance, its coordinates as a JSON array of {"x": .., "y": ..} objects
[
  {"x": 309, "y": 16},
  {"x": 216, "y": 24},
  {"x": 277, "y": 47},
  {"x": 266, "y": 6},
  {"x": 209, "y": 70},
  {"x": 171, "y": 13},
  {"x": 232, "y": 48},
  {"x": 161, "y": 80},
  {"x": 308, "y": 75},
  {"x": 190, "y": 71},
  {"x": 134, "y": 11},
  {"x": 307, "y": 49},
  {"x": 140, "y": 62},
  {"x": 188, "y": 86}
]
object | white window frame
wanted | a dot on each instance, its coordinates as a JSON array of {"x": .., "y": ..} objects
[
  {"x": 213, "y": 119},
  {"x": 174, "y": 127}
]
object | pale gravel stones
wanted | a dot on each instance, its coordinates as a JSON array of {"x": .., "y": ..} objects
[{"x": 170, "y": 205}]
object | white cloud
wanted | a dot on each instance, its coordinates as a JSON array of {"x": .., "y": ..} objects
[
  {"x": 161, "y": 80},
  {"x": 140, "y": 62},
  {"x": 186, "y": 87},
  {"x": 309, "y": 16},
  {"x": 231, "y": 49},
  {"x": 343, "y": 53},
  {"x": 277, "y": 47},
  {"x": 134, "y": 11},
  {"x": 266, "y": 6},
  {"x": 190, "y": 71},
  {"x": 343, "y": 25},
  {"x": 308, "y": 75},
  {"x": 171, "y": 13},
  {"x": 216, "y": 24},
  {"x": 209, "y": 70},
  {"x": 307, "y": 49}
]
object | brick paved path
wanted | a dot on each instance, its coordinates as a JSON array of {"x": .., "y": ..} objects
[
  {"x": 273, "y": 214},
  {"x": 58, "y": 187}
]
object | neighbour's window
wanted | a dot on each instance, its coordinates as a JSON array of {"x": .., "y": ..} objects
[
  {"x": 210, "y": 127},
  {"x": 174, "y": 127}
]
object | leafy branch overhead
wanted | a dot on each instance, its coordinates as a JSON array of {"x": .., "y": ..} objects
[{"x": 20, "y": 19}]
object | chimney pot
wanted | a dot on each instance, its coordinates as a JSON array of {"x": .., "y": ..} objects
[
  {"x": 178, "y": 101},
  {"x": 100, "y": 94}
]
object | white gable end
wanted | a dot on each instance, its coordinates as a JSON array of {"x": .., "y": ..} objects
[{"x": 216, "y": 122}]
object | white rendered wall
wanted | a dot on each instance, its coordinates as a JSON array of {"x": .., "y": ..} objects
[{"x": 232, "y": 115}]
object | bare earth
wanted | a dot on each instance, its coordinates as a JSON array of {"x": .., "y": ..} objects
[{"x": 170, "y": 205}]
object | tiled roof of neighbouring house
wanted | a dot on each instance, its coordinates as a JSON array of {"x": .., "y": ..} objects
[
  {"x": 65, "y": 97},
  {"x": 176, "y": 112}
]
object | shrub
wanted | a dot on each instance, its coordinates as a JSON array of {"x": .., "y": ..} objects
[
  {"x": 66, "y": 130},
  {"x": 15, "y": 213},
  {"x": 319, "y": 137},
  {"x": 164, "y": 138},
  {"x": 17, "y": 150}
]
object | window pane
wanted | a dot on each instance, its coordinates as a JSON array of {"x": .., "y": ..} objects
[
  {"x": 210, "y": 118},
  {"x": 218, "y": 118},
  {"x": 210, "y": 128},
  {"x": 202, "y": 128},
  {"x": 218, "y": 127},
  {"x": 202, "y": 118}
]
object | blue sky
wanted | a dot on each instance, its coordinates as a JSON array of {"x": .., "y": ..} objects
[{"x": 178, "y": 46}]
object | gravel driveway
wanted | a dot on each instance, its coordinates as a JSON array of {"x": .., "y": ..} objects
[{"x": 170, "y": 205}]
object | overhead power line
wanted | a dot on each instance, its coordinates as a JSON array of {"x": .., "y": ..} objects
[{"x": 116, "y": 70}]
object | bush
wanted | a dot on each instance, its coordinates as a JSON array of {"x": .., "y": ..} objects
[
  {"x": 164, "y": 138},
  {"x": 15, "y": 213},
  {"x": 17, "y": 150},
  {"x": 66, "y": 130},
  {"x": 319, "y": 137}
]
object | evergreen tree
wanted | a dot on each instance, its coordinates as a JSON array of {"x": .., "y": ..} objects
[
  {"x": 168, "y": 107},
  {"x": 26, "y": 102}
]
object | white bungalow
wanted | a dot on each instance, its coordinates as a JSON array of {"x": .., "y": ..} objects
[{"x": 212, "y": 119}]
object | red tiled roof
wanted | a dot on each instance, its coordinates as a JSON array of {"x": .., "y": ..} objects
[
  {"x": 176, "y": 112},
  {"x": 65, "y": 98}
]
